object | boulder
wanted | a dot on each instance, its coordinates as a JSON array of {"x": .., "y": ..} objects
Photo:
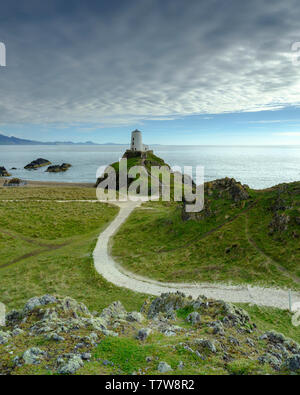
[
  {"x": 58, "y": 168},
  {"x": 293, "y": 363},
  {"x": 35, "y": 164},
  {"x": 134, "y": 316},
  {"x": 4, "y": 337},
  {"x": 143, "y": 333},
  {"x": 206, "y": 344},
  {"x": 114, "y": 311},
  {"x": 167, "y": 303},
  {"x": 279, "y": 223},
  {"x": 230, "y": 188},
  {"x": 193, "y": 318},
  {"x": 35, "y": 302},
  {"x": 4, "y": 172},
  {"x": 74, "y": 363},
  {"x": 163, "y": 367},
  {"x": 33, "y": 356}
]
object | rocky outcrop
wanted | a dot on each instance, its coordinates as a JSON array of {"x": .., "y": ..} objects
[
  {"x": 40, "y": 162},
  {"x": 58, "y": 168},
  {"x": 228, "y": 188},
  {"x": 59, "y": 335},
  {"x": 279, "y": 223},
  {"x": 4, "y": 172},
  {"x": 14, "y": 182},
  {"x": 225, "y": 188}
]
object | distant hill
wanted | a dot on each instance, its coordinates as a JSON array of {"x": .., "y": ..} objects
[{"x": 5, "y": 140}]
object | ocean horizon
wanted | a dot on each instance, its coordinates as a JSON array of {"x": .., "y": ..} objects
[{"x": 258, "y": 166}]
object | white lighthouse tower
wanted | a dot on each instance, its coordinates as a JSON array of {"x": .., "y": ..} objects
[{"x": 137, "y": 142}]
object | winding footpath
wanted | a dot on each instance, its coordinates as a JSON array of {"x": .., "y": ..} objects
[{"x": 114, "y": 273}]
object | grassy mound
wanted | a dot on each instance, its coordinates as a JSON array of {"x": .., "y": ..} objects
[{"x": 254, "y": 240}]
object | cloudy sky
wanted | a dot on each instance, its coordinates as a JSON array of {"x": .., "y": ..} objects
[{"x": 182, "y": 71}]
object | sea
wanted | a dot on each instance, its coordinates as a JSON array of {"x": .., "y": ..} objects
[{"x": 258, "y": 166}]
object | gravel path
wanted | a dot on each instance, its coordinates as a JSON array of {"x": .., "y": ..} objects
[{"x": 114, "y": 273}]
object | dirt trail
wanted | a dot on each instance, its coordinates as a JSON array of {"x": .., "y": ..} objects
[{"x": 114, "y": 273}]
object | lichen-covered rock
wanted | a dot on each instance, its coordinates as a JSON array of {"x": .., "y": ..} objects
[
  {"x": 4, "y": 337},
  {"x": 73, "y": 364},
  {"x": 206, "y": 344},
  {"x": 114, "y": 312},
  {"x": 135, "y": 316},
  {"x": 33, "y": 356},
  {"x": 35, "y": 302},
  {"x": 163, "y": 367},
  {"x": 143, "y": 333},
  {"x": 279, "y": 223},
  {"x": 271, "y": 359},
  {"x": 235, "y": 315},
  {"x": 218, "y": 328},
  {"x": 293, "y": 363},
  {"x": 14, "y": 316},
  {"x": 167, "y": 303},
  {"x": 282, "y": 342},
  {"x": 194, "y": 317},
  {"x": 17, "y": 332}
]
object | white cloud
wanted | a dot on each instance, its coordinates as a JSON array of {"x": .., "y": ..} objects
[{"x": 151, "y": 61}]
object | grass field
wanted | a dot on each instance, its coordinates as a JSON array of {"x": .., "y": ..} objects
[{"x": 46, "y": 247}]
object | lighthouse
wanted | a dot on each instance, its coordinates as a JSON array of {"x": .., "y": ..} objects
[{"x": 137, "y": 142}]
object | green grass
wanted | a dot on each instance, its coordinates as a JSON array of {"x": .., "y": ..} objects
[
  {"x": 233, "y": 245},
  {"x": 48, "y": 193},
  {"x": 67, "y": 270}
]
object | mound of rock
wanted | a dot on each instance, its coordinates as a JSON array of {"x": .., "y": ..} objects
[
  {"x": 14, "y": 182},
  {"x": 59, "y": 335},
  {"x": 4, "y": 172},
  {"x": 58, "y": 168},
  {"x": 40, "y": 162},
  {"x": 279, "y": 223},
  {"x": 228, "y": 188}
]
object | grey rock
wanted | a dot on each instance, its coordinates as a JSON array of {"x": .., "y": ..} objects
[
  {"x": 169, "y": 333},
  {"x": 86, "y": 356},
  {"x": 270, "y": 359},
  {"x": 134, "y": 316},
  {"x": 168, "y": 303},
  {"x": 110, "y": 333},
  {"x": 143, "y": 333},
  {"x": 113, "y": 312},
  {"x": 163, "y": 367},
  {"x": 180, "y": 365},
  {"x": 4, "y": 337},
  {"x": 293, "y": 363},
  {"x": 206, "y": 344},
  {"x": 54, "y": 336},
  {"x": 38, "y": 302},
  {"x": 17, "y": 332},
  {"x": 233, "y": 340},
  {"x": 74, "y": 363},
  {"x": 194, "y": 317},
  {"x": 218, "y": 328},
  {"x": 33, "y": 356}
]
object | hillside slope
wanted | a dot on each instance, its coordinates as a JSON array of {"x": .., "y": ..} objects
[{"x": 242, "y": 236}]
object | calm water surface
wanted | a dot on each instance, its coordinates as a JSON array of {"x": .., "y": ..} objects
[{"x": 259, "y": 167}]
